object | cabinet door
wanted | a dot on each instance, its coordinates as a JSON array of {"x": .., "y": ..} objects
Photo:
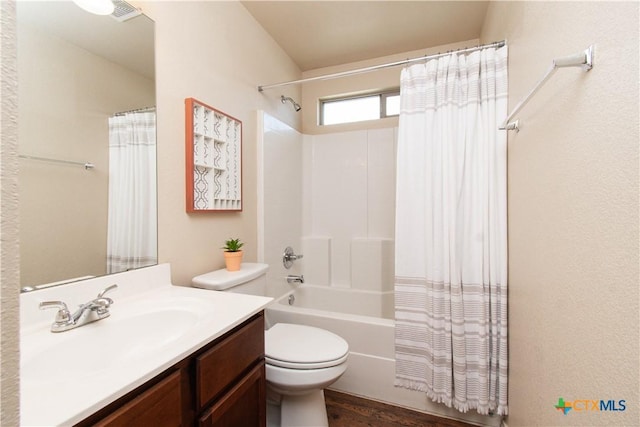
[
  {"x": 244, "y": 405},
  {"x": 224, "y": 364},
  {"x": 159, "y": 406}
]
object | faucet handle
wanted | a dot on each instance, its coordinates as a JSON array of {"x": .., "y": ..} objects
[
  {"x": 101, "y": 306},
  {"x": 289, "y": 256},
  {"x": 107, "y": 289},
  {"x": 62, "y": 315}
]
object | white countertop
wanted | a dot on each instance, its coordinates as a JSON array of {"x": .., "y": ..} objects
[{"x": 67, "y": 376}]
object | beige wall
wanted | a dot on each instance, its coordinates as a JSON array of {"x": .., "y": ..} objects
[
  {"x": 66, "y": 95},
  {"x": 9, "y": 258},
  {"x": 217, "y": 53},
  {"x": 573, "y": 211}
]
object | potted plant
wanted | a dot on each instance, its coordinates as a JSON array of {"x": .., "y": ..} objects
[{"x": 233, "y": 254}]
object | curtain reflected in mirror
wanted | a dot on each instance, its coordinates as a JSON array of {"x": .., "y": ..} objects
[
  {"x": 132, "y": 225},
  {"x": 75, "y": 72}
]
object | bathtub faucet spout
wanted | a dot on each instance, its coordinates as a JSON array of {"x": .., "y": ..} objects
[{"x": 295, "y": 279}]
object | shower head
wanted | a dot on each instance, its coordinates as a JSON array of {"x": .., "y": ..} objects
[{"x": 284, "y": 100}]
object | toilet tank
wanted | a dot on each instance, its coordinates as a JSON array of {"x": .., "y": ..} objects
[{"x": 250, "y": 279}]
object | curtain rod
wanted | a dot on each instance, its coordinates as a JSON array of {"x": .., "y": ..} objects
[
  {"x": 137, "y": 110},
  {"x": 381, "y": 66},
  {"x": 86, "y": 165}
]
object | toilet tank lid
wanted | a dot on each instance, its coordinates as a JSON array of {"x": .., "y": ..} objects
[{"x": 220, "y": 280}]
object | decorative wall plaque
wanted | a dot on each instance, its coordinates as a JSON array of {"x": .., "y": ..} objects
[{"x": 214, "y": 159}]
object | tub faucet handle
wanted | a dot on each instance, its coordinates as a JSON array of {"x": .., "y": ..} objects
[{"x": 289, "y": 256}]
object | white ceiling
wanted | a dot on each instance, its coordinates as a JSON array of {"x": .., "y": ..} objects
[
  {"x": 318, "y": 34},
  {"x": 314, "y": 34},
  {"x": 129, "y": 43}
]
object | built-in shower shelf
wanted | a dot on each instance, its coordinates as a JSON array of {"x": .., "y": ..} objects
[{"x": 213, "y": 159}]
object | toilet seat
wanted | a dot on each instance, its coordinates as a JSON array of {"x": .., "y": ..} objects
[{"x": 303, "y": 347}]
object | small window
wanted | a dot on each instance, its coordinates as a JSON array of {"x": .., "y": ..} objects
[
  {"x": 392, "y": 104},
  {"x": 358, "y": 108}
]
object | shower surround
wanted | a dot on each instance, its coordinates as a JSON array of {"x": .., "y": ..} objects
[
  {"x": 348, "y": 208},
  {"x": 331, "y": 197}
]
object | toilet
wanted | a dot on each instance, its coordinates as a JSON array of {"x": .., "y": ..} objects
[{"x": 300, "y": 360}]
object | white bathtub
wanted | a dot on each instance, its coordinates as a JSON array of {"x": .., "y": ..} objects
[
  {"x": 365, "y": 320},
  {"x": 341, "y": 300}
]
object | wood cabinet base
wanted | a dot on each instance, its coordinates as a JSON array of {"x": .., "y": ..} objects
[{"x": 221, "y": 385}]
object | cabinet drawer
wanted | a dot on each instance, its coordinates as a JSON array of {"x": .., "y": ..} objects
[
  {"x": 244, "y": 405},
  {"x": 161, "y": 405},
  {"x": 217, "y": 368}
]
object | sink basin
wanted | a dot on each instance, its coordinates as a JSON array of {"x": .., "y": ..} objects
[{"x": 102, "y": 345}]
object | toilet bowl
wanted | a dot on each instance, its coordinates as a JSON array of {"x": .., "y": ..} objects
[{"x": 300, "y": 360}]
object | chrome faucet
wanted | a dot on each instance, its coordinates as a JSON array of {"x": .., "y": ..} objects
[
  {"x": 91, "y": 311},
  {"x": 295, "y": 279}
]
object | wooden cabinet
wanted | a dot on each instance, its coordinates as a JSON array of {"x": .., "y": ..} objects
[
  {"x": 219, "y": 366},
  {"x": 161, "y": 405},
  {"x": 237, "y": 407},
  {"x": 222, "y": 384},
  {"x": 221, "y": 398}
]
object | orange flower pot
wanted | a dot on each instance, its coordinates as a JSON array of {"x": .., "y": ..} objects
[{"x": 233, "y": 260}]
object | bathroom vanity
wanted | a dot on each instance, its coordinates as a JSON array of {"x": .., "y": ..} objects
[
  {"x": 166, "y": 355},
  {"x": 220, "y": 384}
]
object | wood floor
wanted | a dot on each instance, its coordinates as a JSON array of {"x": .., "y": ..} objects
[{"x": 345, "y": 410}]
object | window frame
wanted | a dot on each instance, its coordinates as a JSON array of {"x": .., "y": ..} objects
[
  {"x": 383, "y": 103},
  {"x": 382, "y": 95}
]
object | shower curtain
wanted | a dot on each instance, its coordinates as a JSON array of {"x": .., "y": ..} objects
[
  {"x": 451, "y": 231},
  {"x": 132, "y": 218}
]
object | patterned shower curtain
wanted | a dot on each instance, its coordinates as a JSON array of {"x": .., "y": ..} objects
[
  {"x": 451, "y": 231},
  {"x": 132, "y": 222}
]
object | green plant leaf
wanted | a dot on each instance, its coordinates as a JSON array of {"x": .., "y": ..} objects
[{"x": 232, "y": 245}]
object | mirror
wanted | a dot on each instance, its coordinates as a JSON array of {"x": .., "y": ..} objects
[{"x": 77, "y": 73}]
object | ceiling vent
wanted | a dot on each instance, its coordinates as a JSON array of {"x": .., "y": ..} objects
[{"x": 124, "y": 11}]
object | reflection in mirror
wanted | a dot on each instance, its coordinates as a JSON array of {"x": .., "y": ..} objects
[{"x": 86, "y": 90}]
